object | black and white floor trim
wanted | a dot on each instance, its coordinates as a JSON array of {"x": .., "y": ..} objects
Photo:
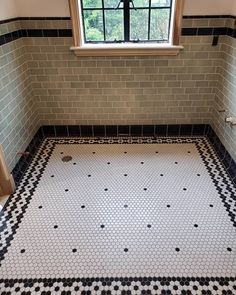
[{"x": 121, "y": 216}]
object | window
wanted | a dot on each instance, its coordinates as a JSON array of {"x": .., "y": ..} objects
[{"x": 126, "y": 27}]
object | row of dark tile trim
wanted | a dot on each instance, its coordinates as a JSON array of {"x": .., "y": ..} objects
[
  {"x": 209, "y": 16},
  {"x": 124, "y": 130},
  {"x": 209, "y": 31},
  {"x": 33, "y": 18},
  {"x": 68, "y": 18},
  {"x": 9, "y": 37}
]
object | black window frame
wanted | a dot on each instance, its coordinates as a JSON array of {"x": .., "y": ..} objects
[{"x": 126, "y": 13}]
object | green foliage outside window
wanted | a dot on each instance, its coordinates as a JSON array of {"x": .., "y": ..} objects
[{"x": 114, "y": 20}]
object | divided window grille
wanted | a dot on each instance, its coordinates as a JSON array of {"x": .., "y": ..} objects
[{"x": 126, "y": 21}]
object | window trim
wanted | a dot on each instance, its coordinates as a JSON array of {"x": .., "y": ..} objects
[{"x": 85, "y": 49}]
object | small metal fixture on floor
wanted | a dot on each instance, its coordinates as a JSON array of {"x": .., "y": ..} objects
[{"x": 66, "y": 159}]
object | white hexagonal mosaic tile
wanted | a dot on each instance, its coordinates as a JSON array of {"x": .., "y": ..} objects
[{"x": 152, "y": 208}]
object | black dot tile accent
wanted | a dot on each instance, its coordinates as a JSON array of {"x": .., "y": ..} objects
[
  {"x": 94, "y": 153},
  {"x": 74, "y": 163},
  {"x": 161, "y": 174},
  {"x": 142, "y": 163},
  {"x": 125, "y": 174},
  {"x": 66, "y": 190},
  {"x": 108, "y": 163},
  {"x": 149, "y": 226},
  {"x": 55, "y": 226},
  {"x": 126, "y": 249},
  {"x": 177, "y": 249},
  {"x": 211, "y": 205},
  {"x": 40, "y": 207},
  {"x": 52, "y": 176},
  {"x": 105, "y": 189},
  {"x": 168, "y": 206},
  {"x": 102, "y": 225},
  {"x": 125, "y": 152},
  {"x": 229, "y": 249},
  {"x": 184, "y": 189},
  {"x": 82, "y": 206},
  {"x": 74, "y": 250},
  {"x": 89, "y": 175},
  {"x": 195, "y": 225},
  {"x": 22, "y": 251},
  {"x": 176, "y": 163},
  {"x": 62, "y": 153},
  {"x": 126, "y": 206},
  {"x": 198, "y": 174},
  {"x": 145, "y": 189}
]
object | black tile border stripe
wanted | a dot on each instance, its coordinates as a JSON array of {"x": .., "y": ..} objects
[
  {"x": 208, "y": 16},
  {"x": 9, "y": 37},
  {"x": 209, "y": 31},
  {"x": 68, "y": 18},
  {"x": 34, "y": 18},
  {"x": 125, "y": 130},
  {"x": 196, "y": 31},
  {"x": 45, "y": 33}
]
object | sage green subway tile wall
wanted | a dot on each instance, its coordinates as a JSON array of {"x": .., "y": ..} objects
[
  {"x": 123, "y": 90},
  {"x": 226, "y": 95},
  {"x": 18, "y": 120},
  {"x": 10, "y": 27}
]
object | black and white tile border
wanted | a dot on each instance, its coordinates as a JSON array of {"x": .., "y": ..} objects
[
  {"x": 121, "y": 286},
  {"x": 15, "y": 208}
]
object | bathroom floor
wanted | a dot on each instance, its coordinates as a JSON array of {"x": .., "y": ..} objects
[{"x": 121, "y": 216}]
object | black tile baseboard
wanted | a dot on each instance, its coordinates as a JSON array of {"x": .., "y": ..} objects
[
  {"x": 25, "y": 160},
  {"x": 124, "y": 130}
]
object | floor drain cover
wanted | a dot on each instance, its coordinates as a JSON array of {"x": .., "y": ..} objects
[{"x": 66, "y": 159}]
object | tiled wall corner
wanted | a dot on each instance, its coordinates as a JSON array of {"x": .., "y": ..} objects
[
  {"x": 226, "y": 95},
  {"x": 18, "y": 119}
]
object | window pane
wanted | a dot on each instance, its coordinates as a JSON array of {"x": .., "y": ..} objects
[
  {"x": 93, "y": 25},
  {"x": 140, "y": 3},
  {"x": 139, "y": 24},
  {"x": 159, "y": 28},
  {"x": 112, "y": 3},
  {"x": 114, "y": 25},
  {"x": 161, "y": 3},
  {"x": 92, "y": 3}
]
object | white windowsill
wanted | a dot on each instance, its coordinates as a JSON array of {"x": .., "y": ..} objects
[{"x": 126, "y": 49}]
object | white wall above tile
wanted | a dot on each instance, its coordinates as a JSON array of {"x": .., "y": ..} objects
[
  {"x": 43, "y": 8},
  {"x": 61, "y": 8},
  {"x": 7, "y": 9},
  {"x": 209, "y": 7}
]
